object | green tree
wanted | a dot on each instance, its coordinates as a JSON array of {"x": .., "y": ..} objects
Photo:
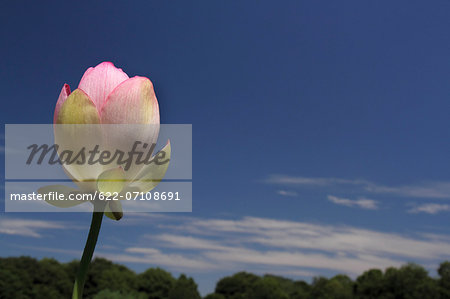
[
  {"x": 341, "y": 287},
  {"x": 286, "y": 284},
  {"x": 338, "y": 287},
  {"x": 301, "y": 290},
  {"x": 17, "y": 277},
  {"x": 14, "y": 284},
  {"x": 108, "y": 294},
  {"x": 409, "y": 282},
  {"x": 268, "y": 288},
  {"x": 185, "y": 288},
  {"x": 319, "y": 288},
  {"x": 238, "y": 286},
  {"x": 50, "y": 280},
  {"x": 215, "y": 296},
  {"x": 370, "y": 285},
  {"x": 444, "y": 281},
  {"x": 155, "y": 283},
  {"x": 25, "y": 277},
  {"x": 104, "y": 274}
]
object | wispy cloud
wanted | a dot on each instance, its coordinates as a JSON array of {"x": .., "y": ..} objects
[
  {"x": 430, "y": 208},
  {"x": 27, "y": 228},
  {"x": 297, "y": 180},
  {"x": 362, "y": 203},
  {"x": 439, "y": 189},
  {"x": 200, "y": 245},
  {"x": 175, "y": 260},
  {"x": 67, "y": 252},
  {"x": 287, "y": 193}
]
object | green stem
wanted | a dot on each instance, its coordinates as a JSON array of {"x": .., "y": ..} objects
[{"x": 88, "y": 252}]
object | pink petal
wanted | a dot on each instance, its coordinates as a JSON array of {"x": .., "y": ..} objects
[
  {"x": 87, "y": 72},
  {"x": 98, "y": 82},
  {"x": 132, "y": 102},
  {"x": 65, "y": 92}
]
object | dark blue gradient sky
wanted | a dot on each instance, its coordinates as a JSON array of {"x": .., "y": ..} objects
[{"x": 293, "y": 104}]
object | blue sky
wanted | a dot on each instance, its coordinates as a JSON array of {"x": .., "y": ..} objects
[{"x": 320, "y": 129}]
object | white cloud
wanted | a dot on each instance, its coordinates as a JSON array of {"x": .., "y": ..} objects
[
  {"x": 69, "y": 252},
  {"x": 190, "y": 242},
  {"x": 281, "y": 246},
  {"x": 27, "y": 228},
  {"x": 304, "y": 235},
  {"x": 420, "y": 190},
  {"x": 439, "y": 189},
  {"x": 430, "y": 208},
  {"x": 295, "y": 180},
  {"x": 362, "y": 203},
  {"x": 287, "y": 193},
  {"x": 178, "y": 261}
]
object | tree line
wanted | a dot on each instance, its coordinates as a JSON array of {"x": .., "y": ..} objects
[{"x": 26, "y": 277}]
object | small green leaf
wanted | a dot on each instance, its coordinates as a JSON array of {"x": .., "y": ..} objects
[{"x": 114, "y": 210}]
